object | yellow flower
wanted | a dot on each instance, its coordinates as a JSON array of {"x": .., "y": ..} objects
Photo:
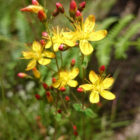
[
  {"x": 66, "y": 77},
  {"x": 37, "y": 54},
  {"x": 60, "y": 37},
  {"x": 98, "y": 86},
  {"x": 86, "y": 33}
]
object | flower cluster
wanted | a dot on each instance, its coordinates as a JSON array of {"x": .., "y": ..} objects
[{"x": 55, "y": 40}]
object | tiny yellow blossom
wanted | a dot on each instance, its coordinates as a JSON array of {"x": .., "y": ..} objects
[
  {"x": 66, "y": 77},
  {"x": 86, "y": 33},
  {"x": 98, "y": 85},
  {"x": 37, "y": 54},
  {"x": 60, "y": 37}
]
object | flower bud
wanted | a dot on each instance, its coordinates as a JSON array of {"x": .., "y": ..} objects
[
  {"x": 75, "y": 133},
  {"x": 67, "y": 98},
  {"x": 55, "y": 12},
  {"x": 59, "y": 111},
  {"x": 102, "y": 68},
  {"x": 53, "y": 79},
  {"x": 62, "y": 89},
  {"x": 35, "y": 2},
  {"x": 22, "y": 75},
  {"x": 42, "y": 15},
  {"x": 80, "y": 90},
  {"x": 48, "y": 94},
  {"x": 37, "y": 96},
  {"x": 36, "y": 72},
  {"x": 73, "y": 62},
  {"x": 44, "y": 35},
  {"x": 60, "y": 7},
  {"x": 73, "y": 8},
  {"x": 43, "y": 42},
  {"x": 45, "y": 86},
  {"x": 74, "y": 127},
  {"x": 78, "y": 15},
  {"x": 61, "y": 47},
  {"x": 49, "y": 97},
  {"x": 81, "y": 6}
]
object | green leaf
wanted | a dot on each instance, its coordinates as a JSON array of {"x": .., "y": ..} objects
[
  {"x": 58, "y": 117},
  {"x": 89, "y": 113},
  {"x": 78, "y": 107}
]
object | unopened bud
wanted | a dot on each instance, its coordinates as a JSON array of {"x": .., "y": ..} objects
[
  {"x": 67, "y": 98},
  {"x": 48, "y": 94},
  {"x": 73, "y": 8},
  {"x": 62, "y": 89},
  {"x": 35, "y": 2},
  {"x": 75, "y": 133},
  {"x": 74, "y": 127},
  {"x": 60, "y": 7},
  {"x": 49, "y": 97},
  {"x": 78, "y": 15},
  {"x": 44, "y": 34},
  {"x": 53, "y": 79},
  {"x": 43, "y": 42},
  {"x": 37, "y": 96},
  {"x": 59, "y": 111},
  {"x": 55, "y": 12},
  {"x": 61, "y": 47},
  {"x": 73, "y": 62},
  {"x": 81, "y": 6},
  {"x": 45, "y": 86},
  {"x": 80, "y": 90},
  {"x": 22, "y": 75},
  {"x": 102, "y": 68},
  {"x": 42, "y": 15}
]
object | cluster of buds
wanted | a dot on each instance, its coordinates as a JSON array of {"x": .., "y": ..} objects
[
  {"x": 74, "y": 11},
  {"x": 36, "y": 8},
  {"x": 59, "y": 9}
]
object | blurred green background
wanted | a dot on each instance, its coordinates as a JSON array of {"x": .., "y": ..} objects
[{"x": 118, "y": 120}]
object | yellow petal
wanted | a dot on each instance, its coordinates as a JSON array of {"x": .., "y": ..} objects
[
  {"x": 56, "y": 46},
  {"x": 48, "y": 44},
  {"x": 85, "y": 47},
  {"x": 56, "y": 84},
  {"x": 72, "y": 83},
  {"x": 95, "y": 36},
  {"x": 28, "y": 55},
  {"x": 74, "y": 72},
  {"x": 107, "y": 95},
  {"x": 93, "y": 77},
  {"x": 86, "y": 87},
  {"x": 36, "y": 73},
  {"x": 108, "y": 82},
  {"x": 49, "y": 54},
  {"x": 94, "y": 97},
  {"x": 36, "y": 46},
  {"x": 69, "y": 42},
  {"x": 31, "y": 65},
  {"x": 89, "y": 23},
  {"x": 44, "y": 61}
]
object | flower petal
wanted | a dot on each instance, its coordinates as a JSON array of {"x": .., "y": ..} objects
[
  {"x": 48, "y": 44},
  {"x": 74, "y": 72},
  {"x": 86, "y": 87},
  {"x": 56, "y": 84},
  {"x": 28, "y": 55},
  {"x": 36, "y": 73},
  {"x": 89, "y": 23},
  {"x": 85, "y": 47},
  {"x": 96, "y": 36},
  {"x": 93, "y": 77},
  {"x": 31, "y": 65},
  {"x": 49, "y": 54},
  {"x": 108, "y": 82},
  {"x": 56, "y": 46},
  {"x": 107, "y": 95},
  {"x": 44, "y": 61},
  {"x": 36, "y": 46},
  {"x": 72, "y": 83},
  {"x": 94, "y": 97}
]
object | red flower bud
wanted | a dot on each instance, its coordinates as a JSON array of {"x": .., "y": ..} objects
[
  {"x": 61, "y": 47},
  {"x": 59, "y": 111},
  {"x": 55, "y": 12},
  {"x": 78, "y": 15},
  {"x": 53, "y": 79},
  {"x": 81, "y": 6},
  {"x": 35, "y": 2},
  {"x": 75, "y": 133},
  {"x": 73, "y": 5},
  {"x": 22, "y": 75},
  {"x": 102, "y": 68},
  {"x": 80, "y": 90},
  {"x": 48, "y": 94},
  {"x": 43, "y": 42},
  {"x": 44, "y": 34},
  {"x": 60, "y": 7},
  {"x": 41, "y": 15},
  {"x": 37, "y": 96},
  {"x": 45, "y": 86},
  {"x": 73, "y": 62},
  {"x": 62, "y": 89},
  {"x": 67, "y": 98},
  {"x": 74, "y": 127}
]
